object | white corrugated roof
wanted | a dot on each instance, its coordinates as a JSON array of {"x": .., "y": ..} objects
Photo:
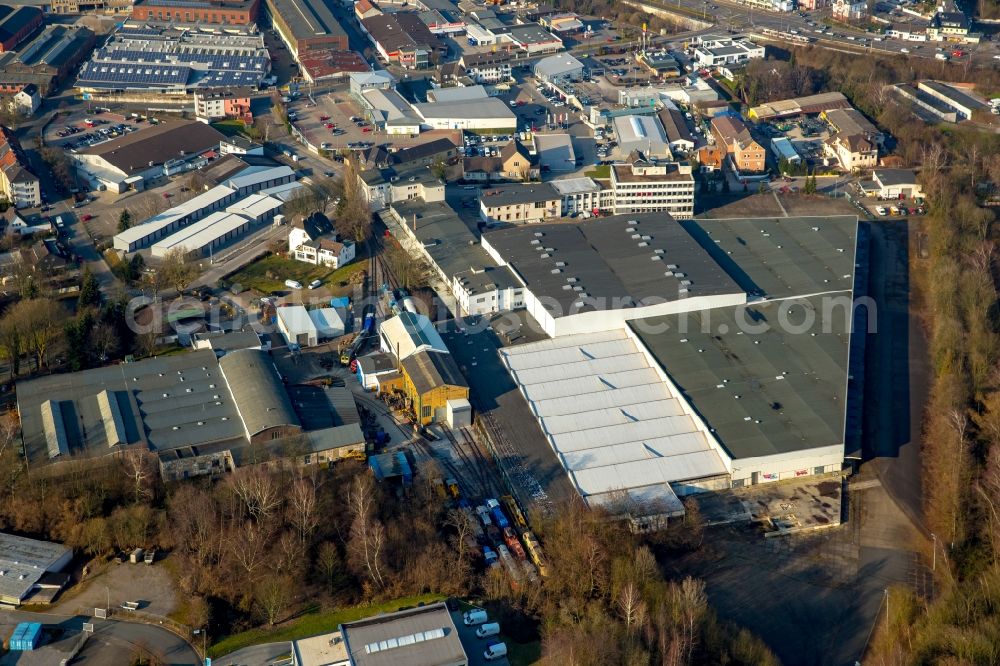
[
  {"x": 603, "y": 456},
  {"x": 622, "y": 397},
  {"x": 696, "y": 465},
  {"x": 167, "y": 217},
  {"x": 590, "y": 384},
  {"x": 636, "y": 431},
  {"x": 249, "y": 177},
  {"x": 582, "y": 368},
  {"x": 658, "y": 409},
  {"x": 613, "y": 421}
]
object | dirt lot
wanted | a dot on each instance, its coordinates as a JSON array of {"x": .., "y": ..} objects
[{"x": 150, "y": 585}]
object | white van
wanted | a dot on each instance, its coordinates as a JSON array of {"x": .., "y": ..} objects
[
  {"x": 473, "y": 617},
  {"x": 315, "y": 283},
  {"x": 293, "y": 284},
  {"x": 495, "y": 651},
  {"x": 487, "y": 630}
]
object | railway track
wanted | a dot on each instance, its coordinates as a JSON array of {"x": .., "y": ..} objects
[
  {"x": 468, "y": 486},
  {"x": 470, "y": 462}
]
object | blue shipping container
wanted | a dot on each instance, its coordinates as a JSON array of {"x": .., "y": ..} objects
[
  {"x": 499, "y": 517},
  {"x": 26, "y": 636}
]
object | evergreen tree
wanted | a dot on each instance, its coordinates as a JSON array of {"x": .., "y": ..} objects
[
  {"x": 124, "y": 220},
  {"x": 90, "y": 293}
]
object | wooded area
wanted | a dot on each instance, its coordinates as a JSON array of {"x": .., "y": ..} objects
[{"x": 270, "y": 541}]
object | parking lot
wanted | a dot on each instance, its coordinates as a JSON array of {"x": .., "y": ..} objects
[
  {"x": 334, "y": 122},
  {"x": 82, "y": 130},
  {"x": 326, "y": 120}
]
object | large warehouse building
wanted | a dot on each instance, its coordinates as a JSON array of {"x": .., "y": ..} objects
[
  {"x": 689, "y": 356},
  {"x": 306, "y": 25},
  {"x": 174, "y": 61},
  {"x": 188, "y": 409},
  {"x": 128, "y": 161},
  {"x": 25, "y": 564}
]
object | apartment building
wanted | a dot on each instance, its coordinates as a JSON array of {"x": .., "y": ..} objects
[
  {"x": 520, "y": 204},
  {"x": 489, "y": 67},
  {"x": 223, "y": 103},
  {"x": 647, "y": 187},
  {"x": 853, "y": 151},
  {"x": 18, "y": 184},
  {"x": 747, "y": 155}
]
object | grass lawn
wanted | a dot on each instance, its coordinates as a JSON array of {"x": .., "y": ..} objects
[
  {"x": 313, "y": 623},
  {"x": 255, "y": 276},
  {"x": 229, "y": 127},
  {"x": 602, "y": 172}
]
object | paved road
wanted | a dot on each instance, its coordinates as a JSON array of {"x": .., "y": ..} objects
[
  {"x": 897, "y": 371},
  {"x": 115, "y": 639},
  {"x": 255, "y": 655}
]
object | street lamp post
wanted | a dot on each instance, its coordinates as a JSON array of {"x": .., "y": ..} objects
[
  {"x": 204, "y": 641},
  {"x": 934, "y": 554}
]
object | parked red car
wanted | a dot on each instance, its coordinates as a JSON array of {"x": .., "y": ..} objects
[
  {"x": 87, "y": 218},
  {"x": 366, "y": 129},
  {"x": 324, "y": 118}
]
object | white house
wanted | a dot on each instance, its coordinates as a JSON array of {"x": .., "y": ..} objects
[
  {"x": 27, "y": 100},
  {"x": 313, "y": 242}
]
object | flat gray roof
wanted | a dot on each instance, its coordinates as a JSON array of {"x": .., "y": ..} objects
[
  {"x": 761, "y": 393},
  {"x": 887, "y": 177},
  {"x": 308, "y": 18},
  {"x": 24, "y": 561},
  {"x": 488, "y": 108},
  {"x": 783, "y": 257},
  {"x": 161, "y": 401},
  {"x": 954, "y": 94},
  {"x": 611, "y": 259},
  {"x": 429, "y": 639},
  {"x": 508, "y": 195},
  {"x": 445, "y": 237}
]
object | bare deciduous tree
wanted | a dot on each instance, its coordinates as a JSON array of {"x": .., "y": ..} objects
[
  {"x": 273, "y": 593},
  {"x": 302, "y": 507},
  {"x": 138, "y": 467},
  {"x": 257, "y": 488},
  {"x": 248, "y": 545},
  {"x": 367, "y": 533}
]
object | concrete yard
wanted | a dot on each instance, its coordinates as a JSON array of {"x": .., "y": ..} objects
[{"x": 150, "y": 585}]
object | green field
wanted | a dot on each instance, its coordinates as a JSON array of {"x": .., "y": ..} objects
[
  {"x": 601, "y": 172},
  {"x": 255, "y": 276},
  {"x": 313, "y": 623},
  {"x": 230, "y": 127}
]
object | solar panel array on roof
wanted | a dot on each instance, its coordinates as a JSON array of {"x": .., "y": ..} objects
[
  {"x": 149, "y": 58},
  {"x": 94, "y": 74}
]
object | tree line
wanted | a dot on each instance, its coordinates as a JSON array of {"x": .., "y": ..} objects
[{"x": 269, "y": 541}]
